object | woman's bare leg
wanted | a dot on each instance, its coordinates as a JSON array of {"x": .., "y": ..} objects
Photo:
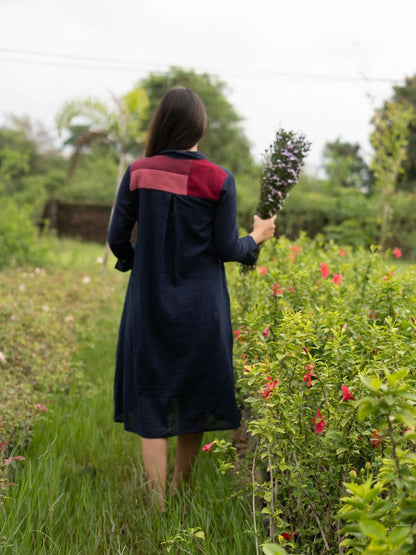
[
  {"x": 187, "y": 448},
  {"x": 155, "y": 462}
]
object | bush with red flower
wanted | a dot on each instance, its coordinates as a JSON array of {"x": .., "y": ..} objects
[{"x": 328, "y": 390}]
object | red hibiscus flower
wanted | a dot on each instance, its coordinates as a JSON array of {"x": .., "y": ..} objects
[
  {"x": 325, "y": 270},
  {"x": 240, "y": 332},
  {"x": 397, "y": 252},
  {"x": 289, "y": 535},
  {"x": 295, "y": 250},
  {"x": 275, "y": 289},
  {"x": 266, "y": 331},
  {"x": 346, "y": 394},
  {"x": 337, "y": 278},
  {"x": 308, "y": 378},
  {"x": 208, "y": 446},
  {"x": 262, "y": 270},
  {"x": 319, "y": 423},
  {"x": 269, "y": 387},
  {"x": 376, "y": 439}
]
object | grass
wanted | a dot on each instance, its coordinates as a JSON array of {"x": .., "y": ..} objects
[{"x": 81, "y": 488}]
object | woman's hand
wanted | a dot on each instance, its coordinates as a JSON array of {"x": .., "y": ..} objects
[{"x": 263, "y": 229}]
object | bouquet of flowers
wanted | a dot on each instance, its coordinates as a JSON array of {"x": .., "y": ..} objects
[{"x": 282, "y": 166}]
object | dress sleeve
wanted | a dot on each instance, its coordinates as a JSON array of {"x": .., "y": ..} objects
[
  {"x": 122, "y": 223},
  {"x": 228, "y": 245}
]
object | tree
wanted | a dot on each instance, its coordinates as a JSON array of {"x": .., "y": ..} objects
[
  {"x": 406, "y": 94},
  {"x": 34, "y": 132},
  {"x": 30, "y": 165},
  {"x": 90, "y": 121},
  {"x": 345, "y": 166},
  {"x": 122, "y": 129},
  {"x": 17, "y": 156},
  {"x": 225, "y": 141},
  {"x": 390, "y": 142}
]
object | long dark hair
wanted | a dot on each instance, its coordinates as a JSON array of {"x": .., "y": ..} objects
[{"x": 179, "y": 122}]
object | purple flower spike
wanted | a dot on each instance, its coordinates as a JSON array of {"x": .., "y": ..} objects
[{"x": 283, "y": 164}]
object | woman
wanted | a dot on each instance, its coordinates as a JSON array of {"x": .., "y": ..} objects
[{"x": 174, "y": 374}]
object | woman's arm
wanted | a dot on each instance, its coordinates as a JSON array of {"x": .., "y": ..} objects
[
  {"x": 228, "y": 245},
  {"x": 122, "y": 223}
]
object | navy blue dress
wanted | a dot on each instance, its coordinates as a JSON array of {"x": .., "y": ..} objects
[{"x": 174, "y": 371}]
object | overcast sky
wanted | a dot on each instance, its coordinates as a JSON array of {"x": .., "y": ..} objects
[{"x": 320, "y": 67}]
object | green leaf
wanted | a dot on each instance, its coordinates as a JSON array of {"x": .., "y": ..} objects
[
  {"x": 397, "y": 376},
  {"x": 371, "y": 382},
  {"x": 356, "y": 489},
  {"x": 352, "y": 529},
  {"x": 372, "y": 529},
  {"x": 351, "y": 515},
  {"x": 408, "y": 509},
  {"x": 366, "y": 408},
  {"x": 354, "y": 502},
  {"x": 273, "y": 549},
  {"x": 399, "y": 535}
]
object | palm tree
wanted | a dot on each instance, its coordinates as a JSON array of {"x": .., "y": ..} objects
[{"x": 121, "y": 128}]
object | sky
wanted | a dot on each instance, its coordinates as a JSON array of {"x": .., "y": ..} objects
[{"x": 320, "y": 68}]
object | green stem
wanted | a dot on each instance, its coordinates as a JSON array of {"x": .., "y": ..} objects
[{"x": 393, "y": 444}]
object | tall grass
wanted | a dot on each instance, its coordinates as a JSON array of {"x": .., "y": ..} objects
[{"x": 81, "y": 488}]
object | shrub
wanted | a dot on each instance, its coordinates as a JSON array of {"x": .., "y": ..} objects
[
  {"x": 316, "y": 326},
  {"x": 20, "y": 242}
]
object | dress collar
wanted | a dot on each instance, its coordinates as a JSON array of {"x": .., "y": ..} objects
[{"x": 183, "y": 154}]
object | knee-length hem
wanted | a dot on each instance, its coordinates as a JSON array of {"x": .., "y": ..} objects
[
  {"x": 174, "y": 368},
  {"x": 179, "y": 432}
]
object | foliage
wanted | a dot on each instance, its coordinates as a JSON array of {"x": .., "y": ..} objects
[
  {"x": 68, "y": 484},
  {"x": 189, "y": 537},
  {"x": 95, "y": 178},
  {"x": 20, "y": 242},
  {"x": 403, "y": 223},
  {"x": 406, "y": 94},
  {"x": 345, "y": 215},
  {"x": 380, "y": 508},
  {"x": 318, "y": 328},
  {"x": 314, "y": 325},
  {"x": 29, "y": 166},
  {"x": 37, "y": 340},
  {"x": 43, "y": 313},
  {"x": 224, "y": 142},
  {"x": 345, "y": 166},
  {"x": 389, "y": 140},
  {"x": 247, "y": 187},
  {"x": 89, "y": 121},
  {"x": 17, "y": 156}
]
